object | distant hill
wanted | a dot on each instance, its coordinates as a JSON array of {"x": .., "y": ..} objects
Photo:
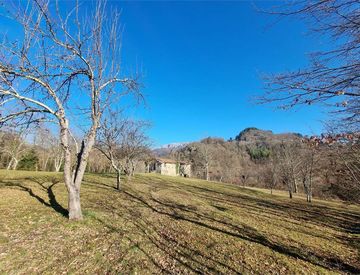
[
  {"x": 166, "y": 149},
  {"x": 229, "y": 160},
  {"x": 248, "y": 136},
  {"x": 255, "y": 135}
]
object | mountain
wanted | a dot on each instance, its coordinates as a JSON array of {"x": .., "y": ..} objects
[
  {"x": 166, "y": 149},
  {"x": 255, "y": 135}
]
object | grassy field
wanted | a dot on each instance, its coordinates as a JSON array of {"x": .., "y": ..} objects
[{"x": 161, "y": 224}]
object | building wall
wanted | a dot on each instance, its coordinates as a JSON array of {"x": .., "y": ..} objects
[
  {"x": 168, "y": 169},
  {"x": 185, "y": 170}
]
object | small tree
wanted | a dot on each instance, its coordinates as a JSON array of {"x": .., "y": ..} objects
[
  {"x": 123, "y": 142},
  {"x": 245, "y": 176},
  {"x": 204, "y": 152},
  {"x": 273, "y": 170},
  {"x": 289, "y": 165},
  {"x": 307, "y": 170},
  {"x": 13, "y": 145},
  {"x": 29, "y": 161}
]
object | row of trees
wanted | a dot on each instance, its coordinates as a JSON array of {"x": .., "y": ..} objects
[
  {"x": 121, "y": 144},
  {"x": 16, "y": 148},
  {"x": 296, "y": 165}
]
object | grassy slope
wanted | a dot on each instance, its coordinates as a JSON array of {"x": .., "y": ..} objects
[{"x": 171, "y": 225}]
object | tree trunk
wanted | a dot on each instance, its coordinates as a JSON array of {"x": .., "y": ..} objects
[
  {"x": 57, "y": 168},
  {"x": 118, "y": 180},
  {"x": 74, "y": 178},
  {"x": 10, "y": 164},
  {"x": 290, "y": 190},
  {"x": 295, "y": 186},
  {"x": 58, "y": 162},
  {"x": 207, "y": 171},
  {"x": 74, "y": 204},
  {"x": 15, "y": 163},
  {"x": 309, "y": 193},
  {"x": 43, "y": 168}
]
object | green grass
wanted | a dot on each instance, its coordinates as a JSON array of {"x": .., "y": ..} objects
[{"x": 161, "y": 224}]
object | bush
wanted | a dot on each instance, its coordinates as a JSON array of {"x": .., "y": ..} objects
[
  {"x": 259, "y": 153},
  {"x": 29, "y": 161}
]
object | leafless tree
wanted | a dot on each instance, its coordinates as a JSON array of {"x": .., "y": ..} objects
[
  {"x": 347, "y": 172},
  {"x": 245, "y": 176},
  {"x": 59, "y": 60},
  {"x": 204, "y": 153},
  {"x": 43, "y": 143},
  {"x": 123, "y": 142},
  {"x": 13, "y": 145},
  {"x": 58, "y": 157},
  {"x": 49, "y": 148},
  {"x": 333, "y": 75},
  {"x": 307, "y": 170},
  {"x": 289, "y": 165},
  {"x": 273, "y": 170}
]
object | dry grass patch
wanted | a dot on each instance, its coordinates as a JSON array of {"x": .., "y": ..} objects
[{"x": 172, "y": 225}]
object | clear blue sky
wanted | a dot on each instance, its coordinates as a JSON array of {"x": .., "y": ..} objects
[{"x": 202, "y": 63}]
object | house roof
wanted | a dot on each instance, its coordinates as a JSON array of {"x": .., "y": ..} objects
[{"x": 164, "y": 160}]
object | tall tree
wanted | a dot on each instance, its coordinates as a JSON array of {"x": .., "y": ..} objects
[{"x": 58, "y": 62}]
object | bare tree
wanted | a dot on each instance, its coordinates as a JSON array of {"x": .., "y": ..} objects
[
  {"x": 245, "y": 176},
  {"x": 59, "y": 60},
  {"x": 289, "y": 166},
  {"x": 333, "y": 76},
  {"x": 273, "y": 170},
  {"x": 347, "y": 172},
  {"x": 58, "y": 156},
  {"x": 307, "y": 170},
  {"x": 123, "y": 142},
  {"x": 43, "y": 144},
  {"x": 205, "y": 155},
  {"x": 50, "y": 148},
  {"x": 13, "y": 145}
]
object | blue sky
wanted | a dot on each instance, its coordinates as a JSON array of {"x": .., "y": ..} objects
[{"x": 202, "y": 63}]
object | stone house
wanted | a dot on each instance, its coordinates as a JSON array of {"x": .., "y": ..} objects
[{"x": 169, "y": 167}]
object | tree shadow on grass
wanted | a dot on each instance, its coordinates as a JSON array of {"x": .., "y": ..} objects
[
  {"x": 321, "y": 215},
  {"x": 244, "y": 232},
  {"x": 53, "y": 203}
]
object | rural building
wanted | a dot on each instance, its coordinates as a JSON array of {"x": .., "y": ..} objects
[{"x": 169, "y": 167}]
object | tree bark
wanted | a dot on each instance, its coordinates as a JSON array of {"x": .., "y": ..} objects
[
  {"x": 295, "y": 186},
  {"x": 57, "y": 167},
  {"x": 118, "y": 180},
  {"x": 74, "y": 178},
  {"x": 74, "y": 204},
  {"x": 207, "y": 171},
  {"x": 10, "y": 164},
  {"x": 15, "y": 163}
]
